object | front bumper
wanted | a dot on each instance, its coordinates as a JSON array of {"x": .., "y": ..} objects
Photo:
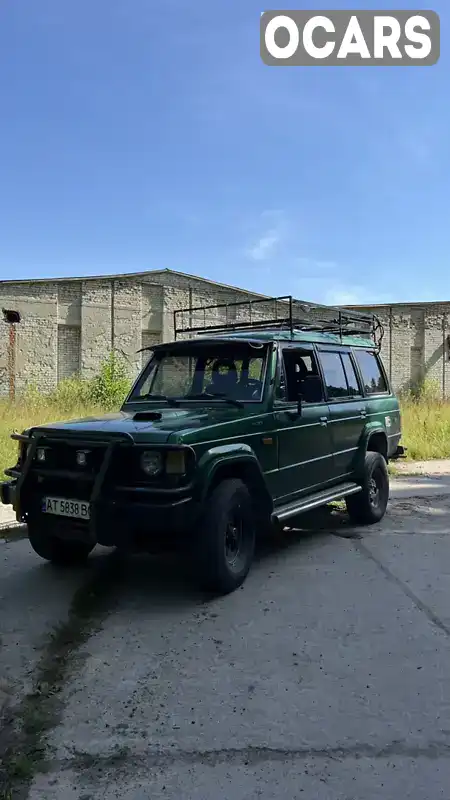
[
  {"x": 143, "y": 524},
  {"x": 125, "y": 516},
  {"x": 127, "y": 520},
  {"x": 7, "y": 493}
]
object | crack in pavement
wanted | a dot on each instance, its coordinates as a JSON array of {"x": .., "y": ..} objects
[
  {"x": 420, "y": 605},
  {"x": 22, "y": 745},
  {"x": 249, "y": 755}
]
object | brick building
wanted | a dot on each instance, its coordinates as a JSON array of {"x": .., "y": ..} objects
[
  {"x": 416, "y": 343},
  {"x": 68, "y": 326}
]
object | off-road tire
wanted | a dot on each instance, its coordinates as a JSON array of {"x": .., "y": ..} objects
[
  {"x": 228, "y": 503},
  {"x": 60, "y": 552},
  {"x": 369, "y": 505}
]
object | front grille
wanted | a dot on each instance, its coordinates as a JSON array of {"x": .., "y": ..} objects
[
  {"x": 60, "y": 473},
  {"x": 62, "y": 487}
]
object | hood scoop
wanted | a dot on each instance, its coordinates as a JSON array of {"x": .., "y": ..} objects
[{"x": 147, "y": 416}]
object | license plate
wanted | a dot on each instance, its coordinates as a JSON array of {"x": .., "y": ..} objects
[{"x": 77, "y": 509}]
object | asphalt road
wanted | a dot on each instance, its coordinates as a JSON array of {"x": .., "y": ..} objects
[{"x": 327, "y": 675}]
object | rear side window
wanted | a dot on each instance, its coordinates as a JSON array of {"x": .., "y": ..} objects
[
  {"x": 350, "y": 374},
  {"x": 372, "y": 375},
  {"x": 334, "y": 374}
]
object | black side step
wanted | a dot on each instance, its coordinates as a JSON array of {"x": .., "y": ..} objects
[
  {"x": 400, "y": 452},
  {"x": 314, "y": 501}
]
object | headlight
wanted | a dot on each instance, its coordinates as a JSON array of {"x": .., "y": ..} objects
[
  {"x": 175, "y": 462},
  {"x": 151, "y": 462}
]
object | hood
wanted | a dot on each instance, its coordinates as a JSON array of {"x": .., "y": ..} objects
[{"x": 152, "y": 425}]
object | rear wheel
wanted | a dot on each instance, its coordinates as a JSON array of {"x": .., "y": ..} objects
[
  {"x": 226, "y": 539},
  {"x": 369, "y": 505},
  {"x": 59, "y": 551}
]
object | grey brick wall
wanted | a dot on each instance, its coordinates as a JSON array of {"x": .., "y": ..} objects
[
  {"x": 69, "y": 351},
  {"x": 415, "y": 343},
  {"x": 149, "y": 339},
  {"x": 71, "y": 326},
  {"x": 37, "y": 334}
]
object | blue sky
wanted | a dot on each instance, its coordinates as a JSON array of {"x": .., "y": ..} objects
[{"x": 141, "y": 135}]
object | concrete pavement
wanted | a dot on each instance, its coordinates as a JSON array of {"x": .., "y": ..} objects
[
  {"x": 326, "y": 675},
  {"x": 8, "y": 520}
]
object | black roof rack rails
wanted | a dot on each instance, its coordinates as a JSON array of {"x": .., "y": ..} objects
[{"x": 287, "y": 314}]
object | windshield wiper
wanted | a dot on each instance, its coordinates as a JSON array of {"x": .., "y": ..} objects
[
  {"x": 210, "y": 395},
  {"x": 172, "y": 401}
]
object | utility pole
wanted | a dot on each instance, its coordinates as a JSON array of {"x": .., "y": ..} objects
[{"x": 11, "y": 318}]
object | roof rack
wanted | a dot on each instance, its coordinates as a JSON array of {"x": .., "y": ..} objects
[{"x": 287, "y": 314}]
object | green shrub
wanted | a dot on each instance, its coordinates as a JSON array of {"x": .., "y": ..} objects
[
  {"x": 110, "y": 387},
  {"x": 73, "y": 398},
  {"x": 71, "y": 393},
  {"x": 426, "y": 391},
  {"x": 32, "y": 397}
]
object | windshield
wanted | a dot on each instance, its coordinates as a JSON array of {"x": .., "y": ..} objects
[{"x": 218, "y": 373}]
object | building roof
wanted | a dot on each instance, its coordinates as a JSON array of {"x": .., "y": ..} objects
[
  {"x": 149, "y": 272},
  {"x": 146, "y": 274},
  {"x": 398, "y": 304}
]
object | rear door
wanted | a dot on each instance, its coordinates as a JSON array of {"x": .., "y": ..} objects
[
  {"x": 305, "y": 457},
  {"x": 382, "y": 405},
  {"x": 347, "y": 406}
]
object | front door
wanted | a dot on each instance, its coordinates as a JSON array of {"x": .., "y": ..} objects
[
  {"x": 347, "y": 407},
  {"x": 305, "y": 455}
]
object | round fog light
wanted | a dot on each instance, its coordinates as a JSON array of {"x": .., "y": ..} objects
[{"x": 151, "y": 462}]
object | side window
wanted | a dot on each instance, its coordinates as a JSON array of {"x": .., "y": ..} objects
[
  {"x": 334, "y": 374},
  {"x": 299, "y": 377},
  {"x": 373, "y": 378},
  {"x": 281, "y": 392},
  {"x": 350, "y": 374}
]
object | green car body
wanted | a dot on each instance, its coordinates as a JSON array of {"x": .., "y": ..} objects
[{"x": 306, "y": 418}]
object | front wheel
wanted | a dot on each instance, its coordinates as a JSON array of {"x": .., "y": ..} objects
[
  {"x": 226, "y": 539},
  {"x": 369, "y": 505},
  {"x": 59, "y": 551}
]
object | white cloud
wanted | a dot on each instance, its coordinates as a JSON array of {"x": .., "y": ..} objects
[
  {"x": 316, "y": 269},
  {"x": 331, "y": 283},
  {"x": 342, "y": 295},
  {"x": 263, "y": 248},
  {"x": 266, "y": 243}
]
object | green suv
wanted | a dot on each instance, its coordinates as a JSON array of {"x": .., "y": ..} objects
[{"x": 224, "y": 435}]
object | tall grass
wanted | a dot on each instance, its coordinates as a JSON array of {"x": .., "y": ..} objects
[
  {"x": 425, "y": 423},
  {"x": 72, "y": 399},
  {"x": 425, "y": 417}
]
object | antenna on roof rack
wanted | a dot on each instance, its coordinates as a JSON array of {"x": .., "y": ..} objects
[{"x": 289, "y": 314}]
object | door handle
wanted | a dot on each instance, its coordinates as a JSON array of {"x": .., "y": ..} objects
[{"x": 324, "y": 420}]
